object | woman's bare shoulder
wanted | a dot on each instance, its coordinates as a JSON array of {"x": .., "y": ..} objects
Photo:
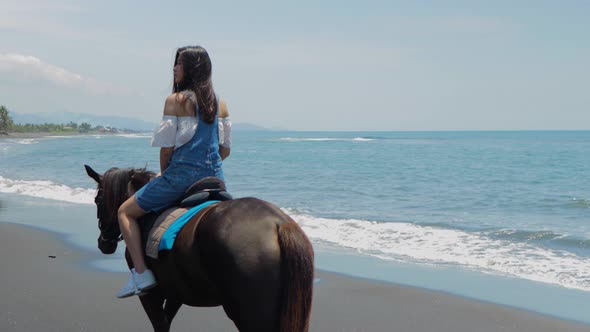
[{"x": 179, "y": 104}]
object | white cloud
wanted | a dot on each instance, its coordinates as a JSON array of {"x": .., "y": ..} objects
[{"x": 33, "y": 68}]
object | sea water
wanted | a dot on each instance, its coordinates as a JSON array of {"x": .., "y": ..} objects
[{"x": 496, "y": 216}]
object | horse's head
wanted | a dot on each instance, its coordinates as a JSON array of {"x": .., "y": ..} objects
[{"x": 114, "y": 187}]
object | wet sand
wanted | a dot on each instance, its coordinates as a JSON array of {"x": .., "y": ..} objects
[{"x": 40, "y": 292}]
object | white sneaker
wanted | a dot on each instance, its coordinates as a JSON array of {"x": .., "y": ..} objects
[
  {"x": 145, "y": 280},
  {"x": 130, "y": 287}
]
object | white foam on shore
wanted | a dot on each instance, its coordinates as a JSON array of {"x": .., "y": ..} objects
[
  {"x": 301, "y": 139},
  {"x": 48, "y": 189},
  {"x": 138, "y": 135},
  {"x": 429, "y": 245},
  {"x": 26, "y": 141}
]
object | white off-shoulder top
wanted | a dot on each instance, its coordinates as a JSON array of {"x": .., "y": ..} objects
[{"x": 175, "y": 131}]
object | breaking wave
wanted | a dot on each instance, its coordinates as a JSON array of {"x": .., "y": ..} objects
[
  {"x": 47, "y": 189},
  {"x": 472, "y": 250}
]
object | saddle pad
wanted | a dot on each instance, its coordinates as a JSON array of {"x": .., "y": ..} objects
[
  {"x": 169, "y": 236},
  {"x": 160, "y": 226}
]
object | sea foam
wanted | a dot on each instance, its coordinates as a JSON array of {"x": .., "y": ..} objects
[
  {"x": 138, "y": 135},
  {"x": 325, "y": 139},
  {"x": 48, "y": 189},
  {"x": 409, "y": 242},
  {"x": 26, "y": 141}
]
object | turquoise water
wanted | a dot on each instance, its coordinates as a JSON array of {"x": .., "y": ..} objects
[{"x": 502, "y": 208}]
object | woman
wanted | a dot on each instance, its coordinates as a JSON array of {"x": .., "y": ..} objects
[{"x": 193, "y": 143}]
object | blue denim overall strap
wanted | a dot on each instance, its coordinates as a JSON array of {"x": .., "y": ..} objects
[{"x": 202, "y": 150}]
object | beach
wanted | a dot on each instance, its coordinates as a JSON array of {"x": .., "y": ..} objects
[{"x": 46, "y": 287}]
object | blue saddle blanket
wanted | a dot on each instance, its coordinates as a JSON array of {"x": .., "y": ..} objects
[{"x": 169, "y": 236}]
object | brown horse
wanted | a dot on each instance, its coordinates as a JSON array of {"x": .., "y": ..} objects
[{"x": 243, "y": 254}]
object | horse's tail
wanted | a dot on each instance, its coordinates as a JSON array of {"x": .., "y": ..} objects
[{"x": 296, "y": 278}]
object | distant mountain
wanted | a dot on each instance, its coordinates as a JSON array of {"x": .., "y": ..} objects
[
  {"x": 95, "y": 120},
  {"x": 106, "y": 121}
]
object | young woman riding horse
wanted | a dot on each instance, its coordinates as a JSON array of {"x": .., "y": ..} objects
[{"x": 243, "y": 254}]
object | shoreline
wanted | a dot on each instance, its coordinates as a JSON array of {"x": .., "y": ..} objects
[
  {"x": 43, "y": 134},
  {"x": 33, "y": 135},
  {"x": 62, "y": 293}
]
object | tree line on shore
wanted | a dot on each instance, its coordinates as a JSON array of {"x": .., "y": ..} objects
[{"x": 7, "y": 125}]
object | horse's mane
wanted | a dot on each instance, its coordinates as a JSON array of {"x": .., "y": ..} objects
[{"x": 115, "y": 183}]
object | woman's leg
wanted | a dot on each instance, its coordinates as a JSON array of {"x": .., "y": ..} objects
[
  {"x": 128, "y": 214},
  {"x": 141, "y": 278}
]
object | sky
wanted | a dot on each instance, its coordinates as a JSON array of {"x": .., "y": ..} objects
[{"x": 309, "y": 65}]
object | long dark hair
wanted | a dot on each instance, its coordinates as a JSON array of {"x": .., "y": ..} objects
[{"x": 197, "y": 79}]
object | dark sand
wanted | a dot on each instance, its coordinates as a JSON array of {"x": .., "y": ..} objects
[{"x": 40, "y": 293}]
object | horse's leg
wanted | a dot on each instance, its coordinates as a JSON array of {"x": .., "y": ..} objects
[
  {"x": 152, "y": 303},
  {"x": 254, "y": 307},
  {"x": 171, "y": 308}
]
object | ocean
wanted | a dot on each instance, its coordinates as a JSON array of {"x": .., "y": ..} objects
[{"x": 495, "y": 216}]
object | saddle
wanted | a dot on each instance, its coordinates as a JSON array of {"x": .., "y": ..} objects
[
  {"x": 207, "y": 189},
  {"x": 154, "y": 225}
]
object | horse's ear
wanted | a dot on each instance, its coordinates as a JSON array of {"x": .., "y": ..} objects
[{"x": 92, "y": 173}]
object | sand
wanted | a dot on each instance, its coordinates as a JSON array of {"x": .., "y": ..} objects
[{"x": 40, "y": 292}]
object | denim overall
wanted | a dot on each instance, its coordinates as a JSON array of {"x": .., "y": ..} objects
[{"x": 196, "y": 159}]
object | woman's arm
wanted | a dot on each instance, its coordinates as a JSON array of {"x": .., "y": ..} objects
[
  {"x": 173, "y": 107},
  {"x": 225, "y": 146},
  {"x": 224, "y": 152},
  {"x": 165, "y": 154}
]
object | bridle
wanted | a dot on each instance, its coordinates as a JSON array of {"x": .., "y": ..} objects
[{"x": 109, "y": 232}]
